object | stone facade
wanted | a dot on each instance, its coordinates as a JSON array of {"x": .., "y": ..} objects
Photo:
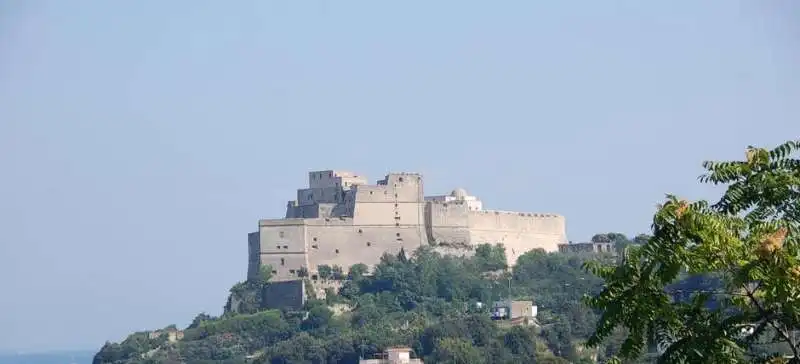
[{"x": 342, "y": 220}]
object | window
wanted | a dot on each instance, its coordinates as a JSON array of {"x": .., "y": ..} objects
[
  {"x": 337, "y": 251},
  {"x": 281, "y": 234},
  {"x": 291, "y": 271},
  {"x": 277, "y": 247},
  {"x": 315, "y": 239},
  {"x": 283, "y": 261},
  {"x": 315, "y": 246},
  {"x": 398, "y": 235},
  {"x": 369, "y": 244},
  {"x": 286, "y": 247},
  {"x": 400, "y": 179},
  {"x": 360, "y": 231}
]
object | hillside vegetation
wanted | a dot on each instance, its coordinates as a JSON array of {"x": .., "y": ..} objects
[{"x": 427, "y": 301}]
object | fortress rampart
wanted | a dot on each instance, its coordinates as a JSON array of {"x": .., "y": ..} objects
[{"x": 341, "y": 220}]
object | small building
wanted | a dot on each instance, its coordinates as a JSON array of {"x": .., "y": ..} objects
[
  {"x": 510, "y": 310},
  {"x": 591, "y": 247},
  {"x": 396, "y": 355},
  {"x": 172, "y": 333}
]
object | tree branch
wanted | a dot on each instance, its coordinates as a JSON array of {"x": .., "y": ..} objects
[{"x": 783, "y": 333}]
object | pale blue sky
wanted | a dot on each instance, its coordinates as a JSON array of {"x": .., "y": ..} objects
[{"x": 141, "y": 141}]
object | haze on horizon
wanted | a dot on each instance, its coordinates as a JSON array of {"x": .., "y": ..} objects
[{"x": 141, "y": 142}]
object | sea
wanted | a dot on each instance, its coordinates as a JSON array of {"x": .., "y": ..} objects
[{"x": 53, "y": 357}]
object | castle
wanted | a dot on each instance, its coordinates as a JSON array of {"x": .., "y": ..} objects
[{"x": 341, "y": 220}]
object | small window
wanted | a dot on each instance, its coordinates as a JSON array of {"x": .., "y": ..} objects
[
  {"x": 291, "y": 271},
  {"x": 397, "y": 224},
  {"x": 315, "y": 246},
  {"x": 395, "y": 205},
  {"x": 395, "y": 195},
  {"x": 398, "y": 235},
  {"x": 370, "y": 192},
  {"x": 286, "y": 247},
  {"x": 274, "y": 271},
  {"x": 337, "y": 251},
  {"x": 277, "y": 247},
  {"x": 360, "y": 231},
  {"x": 400, "y": 179},
  {"x": 314, "y": 277},
  {"x": 369, "y": 244},
  {"x": 315, "y": 239},
  {"x": 283, "y": 261},
  {"x": 281, "y": 234}
]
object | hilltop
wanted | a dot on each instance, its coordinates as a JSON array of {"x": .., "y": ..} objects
[{"x": 436, "y": 304}]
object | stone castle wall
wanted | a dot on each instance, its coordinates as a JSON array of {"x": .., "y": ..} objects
[{"x": 336, "y": 224}]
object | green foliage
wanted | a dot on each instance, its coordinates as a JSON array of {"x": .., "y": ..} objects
[
  {"x": 130, "y": 348},
  {"x": 245, "y": 297},
  {"x": 423, "y": 300},
  {"x": 491, "y": 257},
  {"x": 745, "y": 247},
  {"x": 324, "y": 271},
  {"x": 265, "y": 273}
]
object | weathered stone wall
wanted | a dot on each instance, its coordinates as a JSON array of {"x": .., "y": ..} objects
[
  {"x": 283, "y": 246},
  {"x": 346, "y": 245},
  {"x": 253, "y": 254},
  {"x": 451, "y": 225},
  {"x": 448, "y": 223},
  {"x": 346, "y": 222},
  {"x": 518, "y": 232},
  {"x": 283, "y": 295}
]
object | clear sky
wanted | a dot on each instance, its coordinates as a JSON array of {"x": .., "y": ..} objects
[{"x": 141, "y": 141}]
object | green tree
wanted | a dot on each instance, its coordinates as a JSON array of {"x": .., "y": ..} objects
[
  {"x": 748, "y": 239},
  {"x": 491, "y": 257},
  {"x": 325, "y": 271},
  {"x": 452, "y": 350},
  {"x": 265, "y": 273},
  {"x": 357, "y": 271}
]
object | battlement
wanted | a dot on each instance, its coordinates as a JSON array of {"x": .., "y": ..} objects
[
  {"x": 401, "y": 177},
  {"x": 524, "y": 214}
]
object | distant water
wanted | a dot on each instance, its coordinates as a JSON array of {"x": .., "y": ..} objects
[{"x": 71, "y": 357}]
